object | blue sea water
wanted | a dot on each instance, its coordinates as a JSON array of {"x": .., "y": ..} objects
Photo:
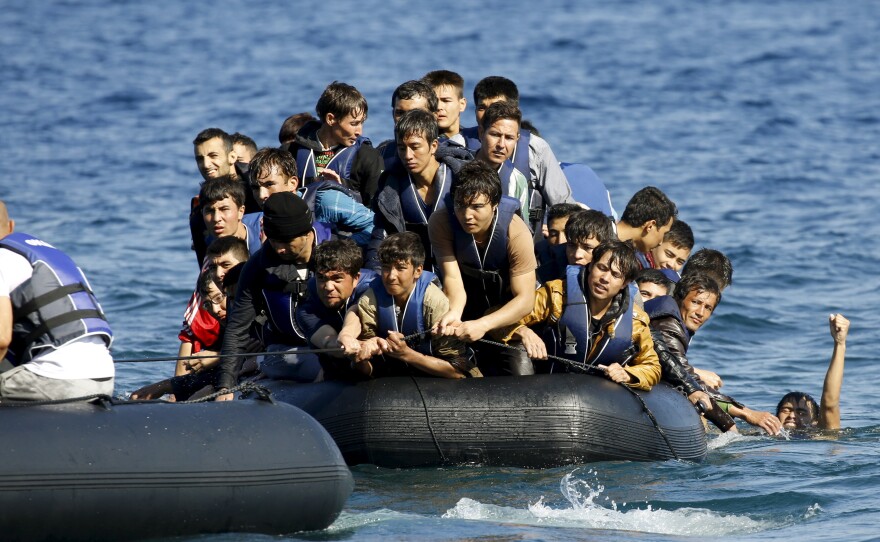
[{"x": 760, "y": 119}]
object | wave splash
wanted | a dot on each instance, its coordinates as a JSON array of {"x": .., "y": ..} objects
[{"x": 587, "y": 512}]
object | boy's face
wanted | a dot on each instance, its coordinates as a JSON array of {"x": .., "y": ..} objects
[
  {"x": 215, "y": 302},
  {"x": 669, "y": 256},
  {"x": 223, "y": 263},
  {"x": 335, "y": 287},
  {"x": 650, "y": 290},
  {"x": 796, "y": 416},
  {"x": 345, "y": 131},
  {"x": 271, "y": 183},
  {"x": 580, "y": 252},
  {"x": 400, "y": 278},
  {"x": 652, "y": 235},
  {"x": 476, "y": 217},
  {"x": 222, "y": 217},
  {"x": 556, "y": 230},
  {"x": 605, "y": 280},
  {"x": 451, "y": 106},
  {"x": 481, "y": 107},
  {"x": 402, "y": 106},
  {"x": 416, "y": 153}
]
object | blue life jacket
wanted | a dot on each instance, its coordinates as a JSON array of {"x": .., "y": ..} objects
[
  {"x": 53, "y": 307},
  {"x": 342, "y": 162},
  {"x": 311, "y": 314},
  {"x": 412, "y": 319},
  {"x": 283, "y": 296},
  {"x": 588, "y": 188},
  {"x": 486, "y": 276},
  {"x": 575, "y": 323},
  {"x": 665, "y": 306}
]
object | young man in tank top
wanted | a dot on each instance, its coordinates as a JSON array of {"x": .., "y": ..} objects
[{"x": 486, "y": 257}]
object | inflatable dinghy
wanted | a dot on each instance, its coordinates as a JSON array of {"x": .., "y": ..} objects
[
  {"x": 122, "y": 471},
  {"x": 528, "y": 421}
]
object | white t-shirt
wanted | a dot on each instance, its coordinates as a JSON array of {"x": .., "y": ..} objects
[{"x": 86, "y": 357}]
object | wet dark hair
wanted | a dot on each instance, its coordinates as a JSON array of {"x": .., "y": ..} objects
[
  {"x": 649, "y": 203},
  {"x": 402, "y": 247},
  {"x": 711, "y": 262},
  {"x": 680, "y": 235},
  {"x": 244, "y": 140},
  {"x": 207, "y": 278},
  {"x": 445, "y": 78},
  {"x": 338, "y": 255},
  {"x": 417, "y": 122},
  {"x": 586, "y": 223},
  {"x": 562, "y": 210},
  {"x": 500, "y": 111},
  {"x": 211, "y": 133},
  {"x": 340, "y": 99},
  {"x": 496, "y": 86},
  {"x": 291, "y": 126},
  {"x": 654, "y": 276},
  {"x": 474, "y": 179},
  {"x": 268, "y": 158},
  {"x": 701, "y": 282},
  {"x": 623, "y": 254},
  {"x": 795, "y": 397},
  {"x": 413, "y": 89},
  {"x": 214, "y": 190},
  {"x": 228, "y": 244}
]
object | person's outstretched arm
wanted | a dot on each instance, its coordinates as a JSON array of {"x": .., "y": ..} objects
[{"x": 829, "y": 409}]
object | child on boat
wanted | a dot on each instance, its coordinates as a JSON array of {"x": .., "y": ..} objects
[{"x": 403, "y": 302}]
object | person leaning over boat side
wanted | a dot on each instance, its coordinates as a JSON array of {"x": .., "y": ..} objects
[
  {"x": 337, "y": 285},
  {"x": 451, "y": 103},
  {"x": 676, "y": 319},
  {"x": 54, "y": 337},
  {"x": 414, "y": 187},
  {"x": 272, "y": 283},
  {"x": 402, "y": 302},
  {"x": 675, "y": 249},
  {"x": 487, "y": 260},
  {"x": 798, "y": 410},
  {"x": 646, "y": 219},
  {"x": 498, "y": 136},
  {"x": 333, "y": 148},
  {"x": 548, "y": 183},
  {"x": 216, "y": 159},
  {"x": 408, "y": 96},
  {"x": 274, "y": 170},
  {"x": 594, "y": 321}
]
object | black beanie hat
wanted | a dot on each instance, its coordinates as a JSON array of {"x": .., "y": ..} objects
[{"x": 285, "y": 216}]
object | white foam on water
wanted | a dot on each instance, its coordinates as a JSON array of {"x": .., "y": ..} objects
[
  {"x": 586, "y": 512},
  {"x": 353, "y": 520},
  {"x": 726, "y": 439}
]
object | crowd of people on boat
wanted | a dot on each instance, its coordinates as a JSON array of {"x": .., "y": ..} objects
[{"x": 444, "y": 251}]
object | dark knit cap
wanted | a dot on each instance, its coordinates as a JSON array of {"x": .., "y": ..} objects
[{"x": 285, "y": 216}]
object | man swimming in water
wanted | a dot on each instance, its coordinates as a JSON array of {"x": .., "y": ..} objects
[{"x": 798, "y": 410}]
